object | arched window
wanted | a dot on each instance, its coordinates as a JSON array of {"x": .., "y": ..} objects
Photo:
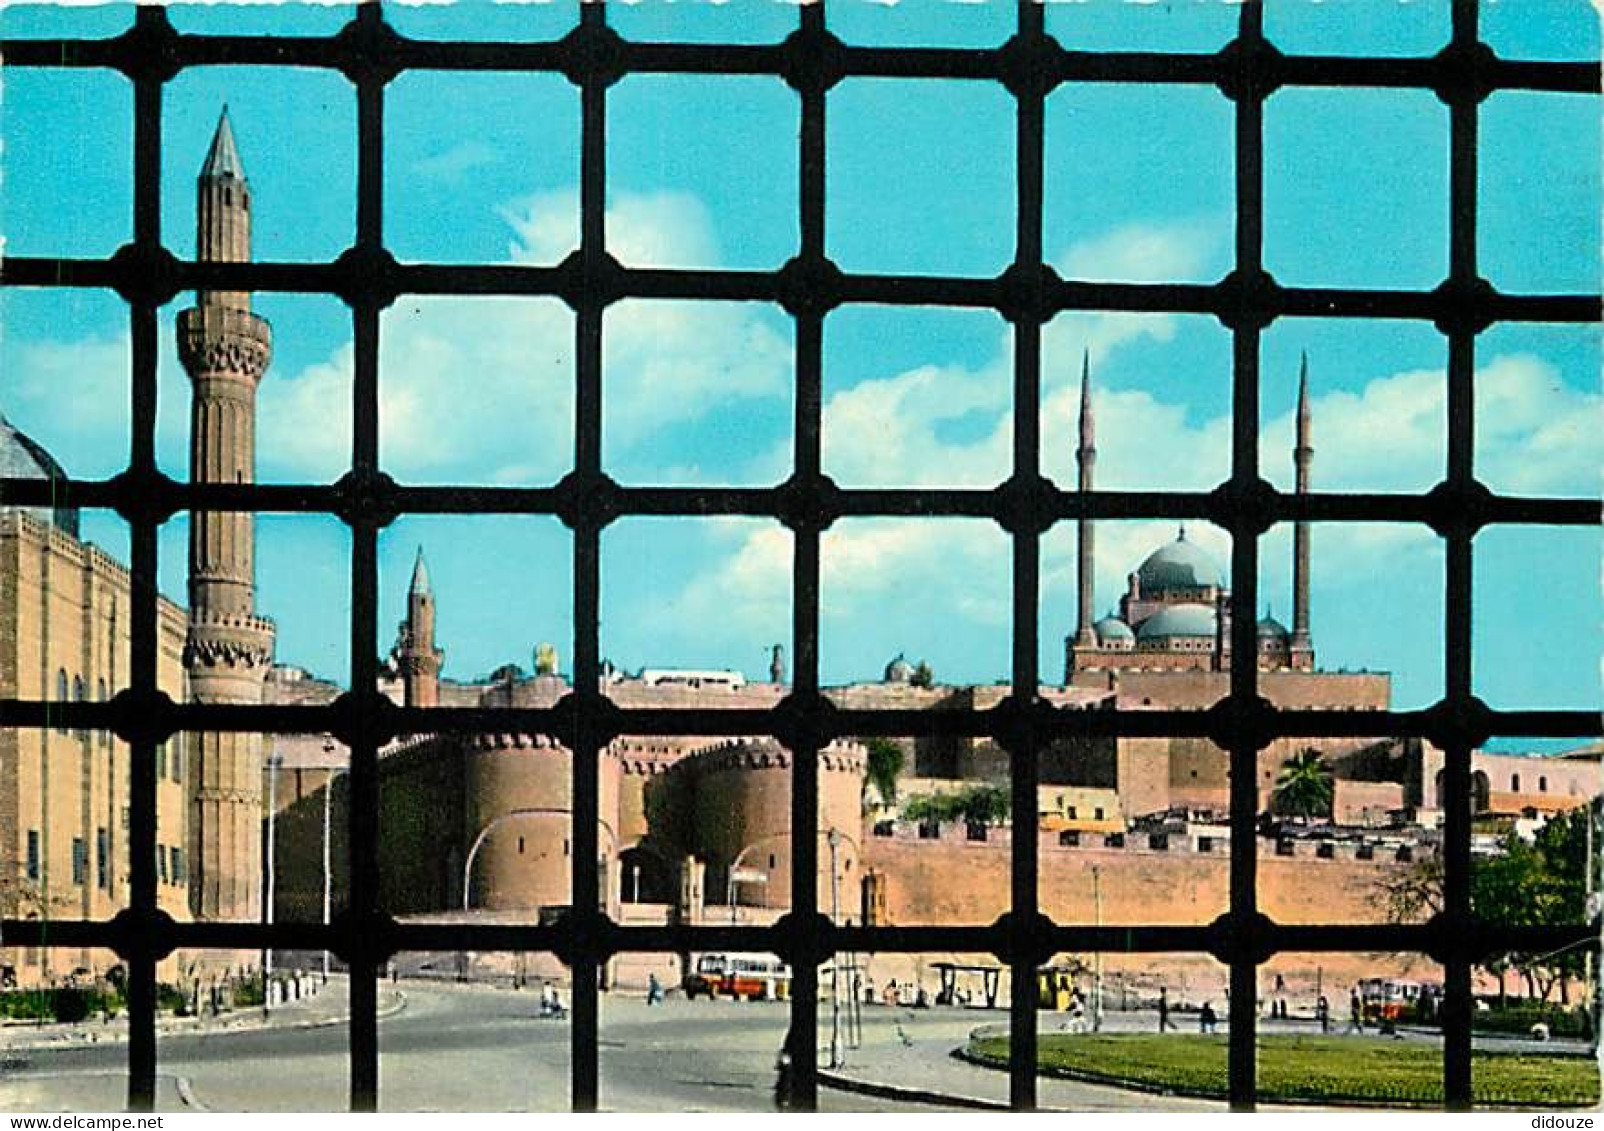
[
  {"x": 1514, "y": 783},
  {"x": 1542, "y": 785}
]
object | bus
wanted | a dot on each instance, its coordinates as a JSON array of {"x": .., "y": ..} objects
[
  {"x": 755, "y": 977},
  {"x": 1388, "y": 1000}
]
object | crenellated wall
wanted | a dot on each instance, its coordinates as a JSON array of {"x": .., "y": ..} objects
[{"x": 1129, "y": 884}]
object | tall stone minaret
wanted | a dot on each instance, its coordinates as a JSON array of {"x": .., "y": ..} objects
[
  {"x": 1084, "y": 638},
  {"x": 416, "y": 656},
  {"x": 1302, "y": 456},
  {"x": 1086, "y": 458},
  {"x": 225, "y": 350}
]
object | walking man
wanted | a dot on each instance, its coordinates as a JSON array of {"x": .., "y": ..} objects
[
  {"x": 654, "y": 989},
  {"x": 1356, "y": 1013},
  {"x": 1164, "y": 1009}
]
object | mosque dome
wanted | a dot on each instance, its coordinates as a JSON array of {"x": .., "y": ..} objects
[
  {"x": 1272, "y": 629},
  {"x": 22, "y": 457},
  {"x": 1178, "y": 620},
  {"x": 1112, "y": 630},
  {"x": 899, "y": 670},
  {"x": 1178, "y": 565}
]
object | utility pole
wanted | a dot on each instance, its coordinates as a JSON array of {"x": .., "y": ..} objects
[
  {"x": 272, "y": 877},
  {"x": 1097, "y": 958},
  {"x": 836, "y": 1059},
  {"x": 328, "y": 858}
]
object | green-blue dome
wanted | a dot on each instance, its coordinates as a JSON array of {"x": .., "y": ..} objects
[
  {"x": 1178, "y": 620},
  {"x": 1270, "y": 627},
  {"x": 1178, "y": 565},
  {"x": 1112, "y": 628}
]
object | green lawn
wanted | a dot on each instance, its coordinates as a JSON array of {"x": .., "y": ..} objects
[{"x": 1318, "y": 1069}]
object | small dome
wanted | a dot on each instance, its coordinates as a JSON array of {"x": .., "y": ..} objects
[
  {"x": 1272, "y": 629},
  {"x": 1178, "y": 565},
  {"x": 899, "y": 670},
  {"x": 22, "y": 457},
  {"x": 1178, "y": 620},
  {"x": 1111, "y": 628}
]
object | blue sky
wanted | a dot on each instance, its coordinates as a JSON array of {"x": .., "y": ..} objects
[{"x": 703, "y": 173}]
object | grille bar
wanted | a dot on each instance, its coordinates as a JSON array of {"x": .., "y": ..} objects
[{"x": 1031, "y": 65}]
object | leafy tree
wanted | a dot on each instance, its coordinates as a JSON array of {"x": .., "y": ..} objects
[
  {"x": 987, "y": 805},
  {"x": 1304, "y": 787},
  {"x": 977, "y": 805},
  {"x": 1415, "y": 893},
  {"x": 886, "y": 761},
  {"x": 1542, "y": 883},
  {"x": 923, "y": 676}
]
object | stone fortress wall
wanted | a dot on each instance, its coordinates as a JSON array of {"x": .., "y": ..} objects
[{"x": 728, "y": 801}]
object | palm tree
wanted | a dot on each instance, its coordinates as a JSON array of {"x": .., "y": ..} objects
[{"x": 1304, "y": 787}]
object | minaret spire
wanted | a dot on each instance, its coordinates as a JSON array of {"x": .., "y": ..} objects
[
  {"x": 225, "y": 349},
  {"x": 1086, "y": 459},
  {"x": 415, "y": 654},
  {"x": 1302, "y": 458}
]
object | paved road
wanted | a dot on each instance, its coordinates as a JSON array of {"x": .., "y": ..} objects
[
  {"x": 467, "y": 1048},
  {"x": 449, "y": 1049}
]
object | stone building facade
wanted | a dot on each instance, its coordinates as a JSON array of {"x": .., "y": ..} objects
[{"x": 64, "y": 818}]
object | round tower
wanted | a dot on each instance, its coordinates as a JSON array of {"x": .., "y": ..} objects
[{"x": 225, "y": 349}]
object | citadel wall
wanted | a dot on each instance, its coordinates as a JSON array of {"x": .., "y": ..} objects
[
  {"x": 1197, "y": 690},
  {"x": 1180, "y": 884}
]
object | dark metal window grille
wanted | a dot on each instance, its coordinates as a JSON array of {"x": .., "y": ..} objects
[{"x": 811, "y": 60}]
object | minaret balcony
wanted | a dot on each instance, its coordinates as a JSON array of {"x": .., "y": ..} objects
[{"x": 214, "y": 339}]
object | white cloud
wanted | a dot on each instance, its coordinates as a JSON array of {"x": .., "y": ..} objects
[
  {"x": 660, "y": 229},
  {"x": 1144, "y": 252},
  {"x": 1536, "y": 433},
  {"x": 72, "y": 396},
  {"x": 481, "y": 389}
]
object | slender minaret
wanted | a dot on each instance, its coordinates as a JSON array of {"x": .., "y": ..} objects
[
  {"x": 416, "y": 655},
  {"x": 225, "y": 349},
  {"x": 1086, "y": 458},
  {"x": 1302, "y": 457}
]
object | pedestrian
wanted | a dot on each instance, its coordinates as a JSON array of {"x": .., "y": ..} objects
[
  {"x": 1206, "y": 1019},
  {"x": 1164, "y": 1009},
  {"x": 1322, "y": 1010},
  {"x": 1356, "y": 1013},
  {"x": 547, "y": 1000},
  {"x": 654, "y": 989},
  {"x": 1077, "y": 1014}
]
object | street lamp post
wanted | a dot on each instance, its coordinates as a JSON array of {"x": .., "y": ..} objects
[
  {"x": 836, "y": 1058},
  {"x": 484, "y": 835},
  {"x": 1097, "y": 958},
  {"x": 328, "y": 862},
  {"x": 273, "y": 763}
]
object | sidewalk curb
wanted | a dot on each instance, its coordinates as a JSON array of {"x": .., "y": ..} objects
[
  {"x": 253, "y": 1025},
  {"x": 906, "y": 1095},
  {"x": 186, "y": 1094}
]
